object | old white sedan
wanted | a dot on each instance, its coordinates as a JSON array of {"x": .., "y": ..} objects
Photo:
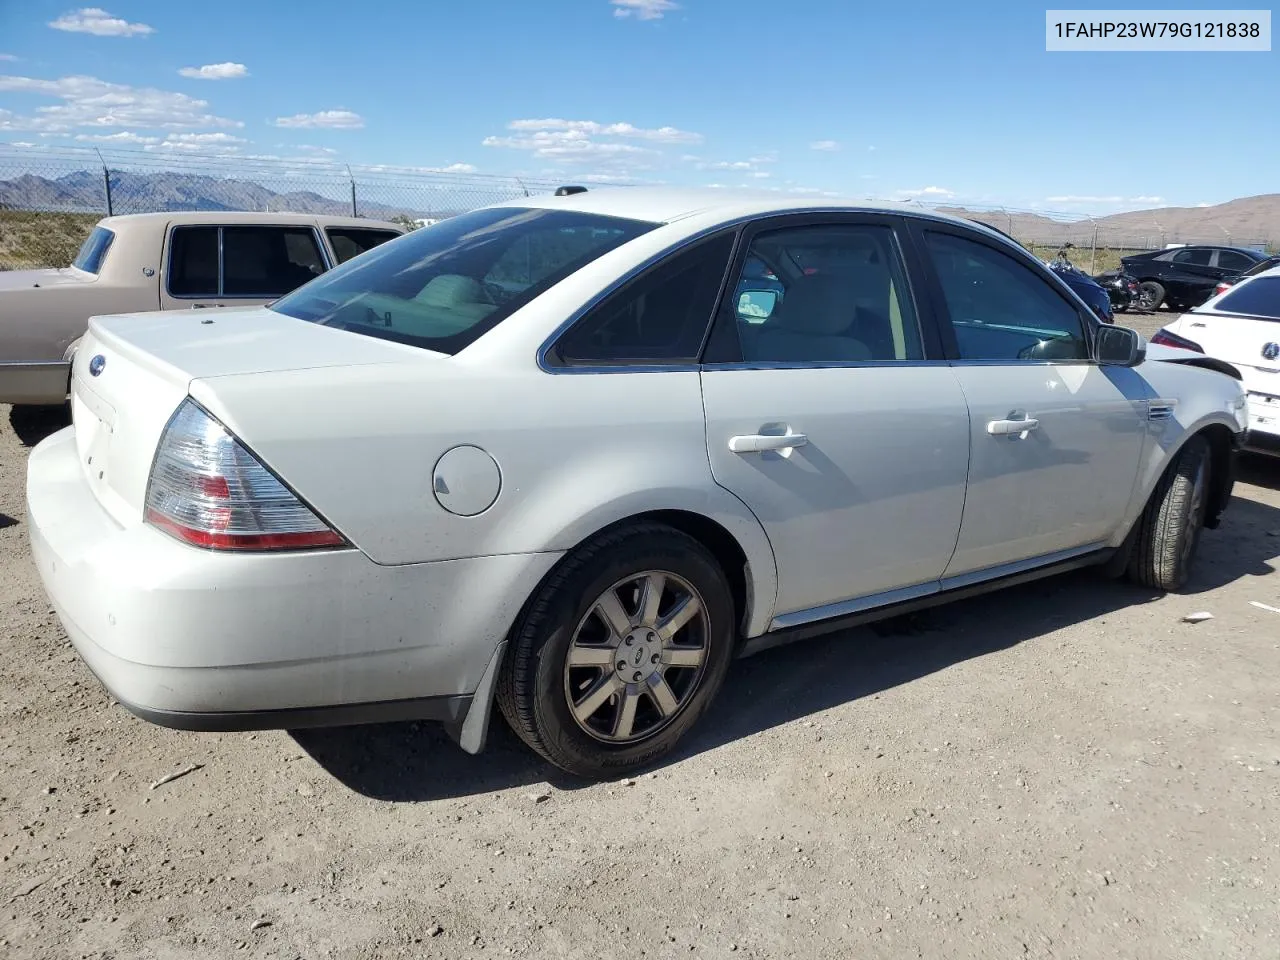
[{"x": 573, "y": 454}]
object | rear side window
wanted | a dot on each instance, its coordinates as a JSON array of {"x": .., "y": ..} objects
[
  {"x": 443, "y": 287},
  {"x": 193, "y": 262},
  {"x": 94, "y": 250},
  {"x": 662, "y": 317},
  {"x": 1198, "y": 257},
  {"x": 268, "y": 261},
  {"x": 1260, "y": 297},
  {"x": 348, "y": 242}
]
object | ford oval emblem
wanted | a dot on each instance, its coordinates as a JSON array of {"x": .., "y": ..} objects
[
  {"x": 1270, "y": 351},
  {"x": 96, "y": 365}
]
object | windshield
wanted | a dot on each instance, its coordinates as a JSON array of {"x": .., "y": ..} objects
[
  {"x": 443, "y": 286},
  {"x": 94, "y": 250},
  {"x": 1260, "y": 297}
]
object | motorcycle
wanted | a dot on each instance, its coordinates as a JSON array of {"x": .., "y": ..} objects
[
  {"x": 1089, "y": 290},
  {"x": 1122, "y": 289}
]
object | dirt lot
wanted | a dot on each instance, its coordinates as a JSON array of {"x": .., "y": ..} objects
[{"x": 1062, "y": 770}]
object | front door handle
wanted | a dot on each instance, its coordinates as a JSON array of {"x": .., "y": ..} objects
[
  {"x": 759, "y": 443},
  {"x": 1014, "y": 429}
]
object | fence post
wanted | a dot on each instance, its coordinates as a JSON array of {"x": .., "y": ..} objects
[
  {"x": 106, "y": 179},
  {"x": 1093, "y": 250},
  {"x": 351, "y": 178}
]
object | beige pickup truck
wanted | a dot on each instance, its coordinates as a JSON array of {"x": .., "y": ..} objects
[{"x": 161, "y": 261}]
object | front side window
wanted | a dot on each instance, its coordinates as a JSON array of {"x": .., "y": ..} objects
[
  {"x": 1000, "y": 309},
  {"x": 1260, "y": 297},
  {"x": 94, "y": 250},
  {"x": 1231, "y": 260},
  {"x": 348, "y": 242},
  {"x": 443, "y": 287},
  {"x": 825, "y": 293},
  {"x": 660, "y": 318}
]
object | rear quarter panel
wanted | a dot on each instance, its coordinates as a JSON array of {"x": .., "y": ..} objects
[{"x": 576, "y": 453}]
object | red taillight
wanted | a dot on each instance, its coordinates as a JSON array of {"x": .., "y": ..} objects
[
  {"x": 1169, "y": 339},
  {"x": 1221, "y": 288},
  {"x": 208, "y": 490}
]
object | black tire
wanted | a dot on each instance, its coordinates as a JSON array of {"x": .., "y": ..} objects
[
  {"x": 1168, "y": 532},
  {"x": 532, "y": 689},
  {"x": 1150, "y": 295}
]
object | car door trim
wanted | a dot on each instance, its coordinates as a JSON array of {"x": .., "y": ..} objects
[{"x": 831, "y": 618}]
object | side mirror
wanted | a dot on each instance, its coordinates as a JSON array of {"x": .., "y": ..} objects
[
  {"x": 1119, "y": 346},
  {"x": 755, "y": 306}
]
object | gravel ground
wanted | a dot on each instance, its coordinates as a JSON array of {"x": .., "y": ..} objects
[{"x": 1063, "y": 770}]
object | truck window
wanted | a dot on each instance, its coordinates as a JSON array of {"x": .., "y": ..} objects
[
  {"x": 94, "y": 250},
  {"x": 348, "y": 242}
]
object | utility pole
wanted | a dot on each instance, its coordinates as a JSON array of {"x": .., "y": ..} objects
[{"x": 352, "y": 179}]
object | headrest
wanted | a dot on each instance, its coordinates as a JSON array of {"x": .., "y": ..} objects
[{"x": 820, "y": 305}]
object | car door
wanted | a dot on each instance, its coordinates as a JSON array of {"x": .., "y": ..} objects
[
  {"x": 1191, "y": 276},
  {"x": 1231, "y": 263},
  {"x": 832, "y": 414},
  {"x": 1056, "y": 438},
  {"x": 219, "y": 265}
]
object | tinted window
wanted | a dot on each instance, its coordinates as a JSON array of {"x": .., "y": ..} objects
[
  {"x": 661, "y": 317},
  {"x": 442, "y": 287},
  {"x": 193, "y": 262},
  {"x": 1197, "y": 256},
  {"x": 268, "y": 261},
  {"x": 348, "y": 242},
  {"x": 94, "y": 250},
  {"x": 1000, "y": 309},
  {"x": 825, "y": 293},
  {"x": 1260, "y": 297},
  {"x": 1231, "y": 260},
  {"x": 1262, "y": 265}
]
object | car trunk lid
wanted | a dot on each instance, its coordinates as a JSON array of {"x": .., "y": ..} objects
[{"x": 131, "y": 372}]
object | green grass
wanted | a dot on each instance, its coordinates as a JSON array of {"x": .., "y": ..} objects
[{"x": 32, "y": 240}]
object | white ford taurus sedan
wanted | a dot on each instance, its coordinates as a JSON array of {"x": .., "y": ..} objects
[{"x": 573, "y": 454}]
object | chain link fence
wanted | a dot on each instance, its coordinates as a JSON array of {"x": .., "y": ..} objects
[{"x": 50, "y": 200}]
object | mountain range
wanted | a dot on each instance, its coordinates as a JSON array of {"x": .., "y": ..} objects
[
  {"x": 82, "y": 192},
  {"x": 1246, "y": 221}
]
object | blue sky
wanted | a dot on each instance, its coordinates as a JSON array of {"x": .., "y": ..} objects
[{"x": 944, "y": 102}]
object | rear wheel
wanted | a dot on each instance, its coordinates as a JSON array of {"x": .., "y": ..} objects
[
  {"x": 620, "y": 652},
  {"x": 1150, "y": 295},
  {"x": 1168, "y": 532}
]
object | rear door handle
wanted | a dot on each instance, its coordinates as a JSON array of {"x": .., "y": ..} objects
[
  {"x": 1012, "y": 428},
  {"x": 759, "y": 443}
]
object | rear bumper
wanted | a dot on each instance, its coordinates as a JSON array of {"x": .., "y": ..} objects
[
  {"x": 45, "y": 382},
  {"x": 199, "y": 640},
  {"x": 1262, "y": 441}
]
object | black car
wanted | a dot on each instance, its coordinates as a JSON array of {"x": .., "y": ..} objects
[{"x": 1185, "y": 277}]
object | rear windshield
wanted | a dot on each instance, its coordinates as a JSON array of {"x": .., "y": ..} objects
[
  {"x": 94, "y": 250},
  {"x": 443, "y": 286},
  {"x": 1259, "y": 297}
]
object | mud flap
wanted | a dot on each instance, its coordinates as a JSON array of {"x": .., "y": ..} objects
[{"x": 471, "y": 734}]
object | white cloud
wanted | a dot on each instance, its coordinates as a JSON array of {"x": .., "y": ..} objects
[
  {"x": 90, "y": 102},
  {"x": 216, "y": 71},
  {"x": 124, "y": 136},
  {"x": 762, "y": 174},
  {"x": 935, "y": 192},
  {"x": 100, "y": 23},
  {"x": 1146, "y": 199},
  {"x": 28, "y": 145},
  {"x": 643, "y": 9},
  {"x": 824, "y": 146},
  {"x": 7, "y": 57},
  {"x": 592, "y": 128},
  {"x": 309, "y": 148},
  {"x": 200, "y": 144},
  {"x": 325, "y": 119}
]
